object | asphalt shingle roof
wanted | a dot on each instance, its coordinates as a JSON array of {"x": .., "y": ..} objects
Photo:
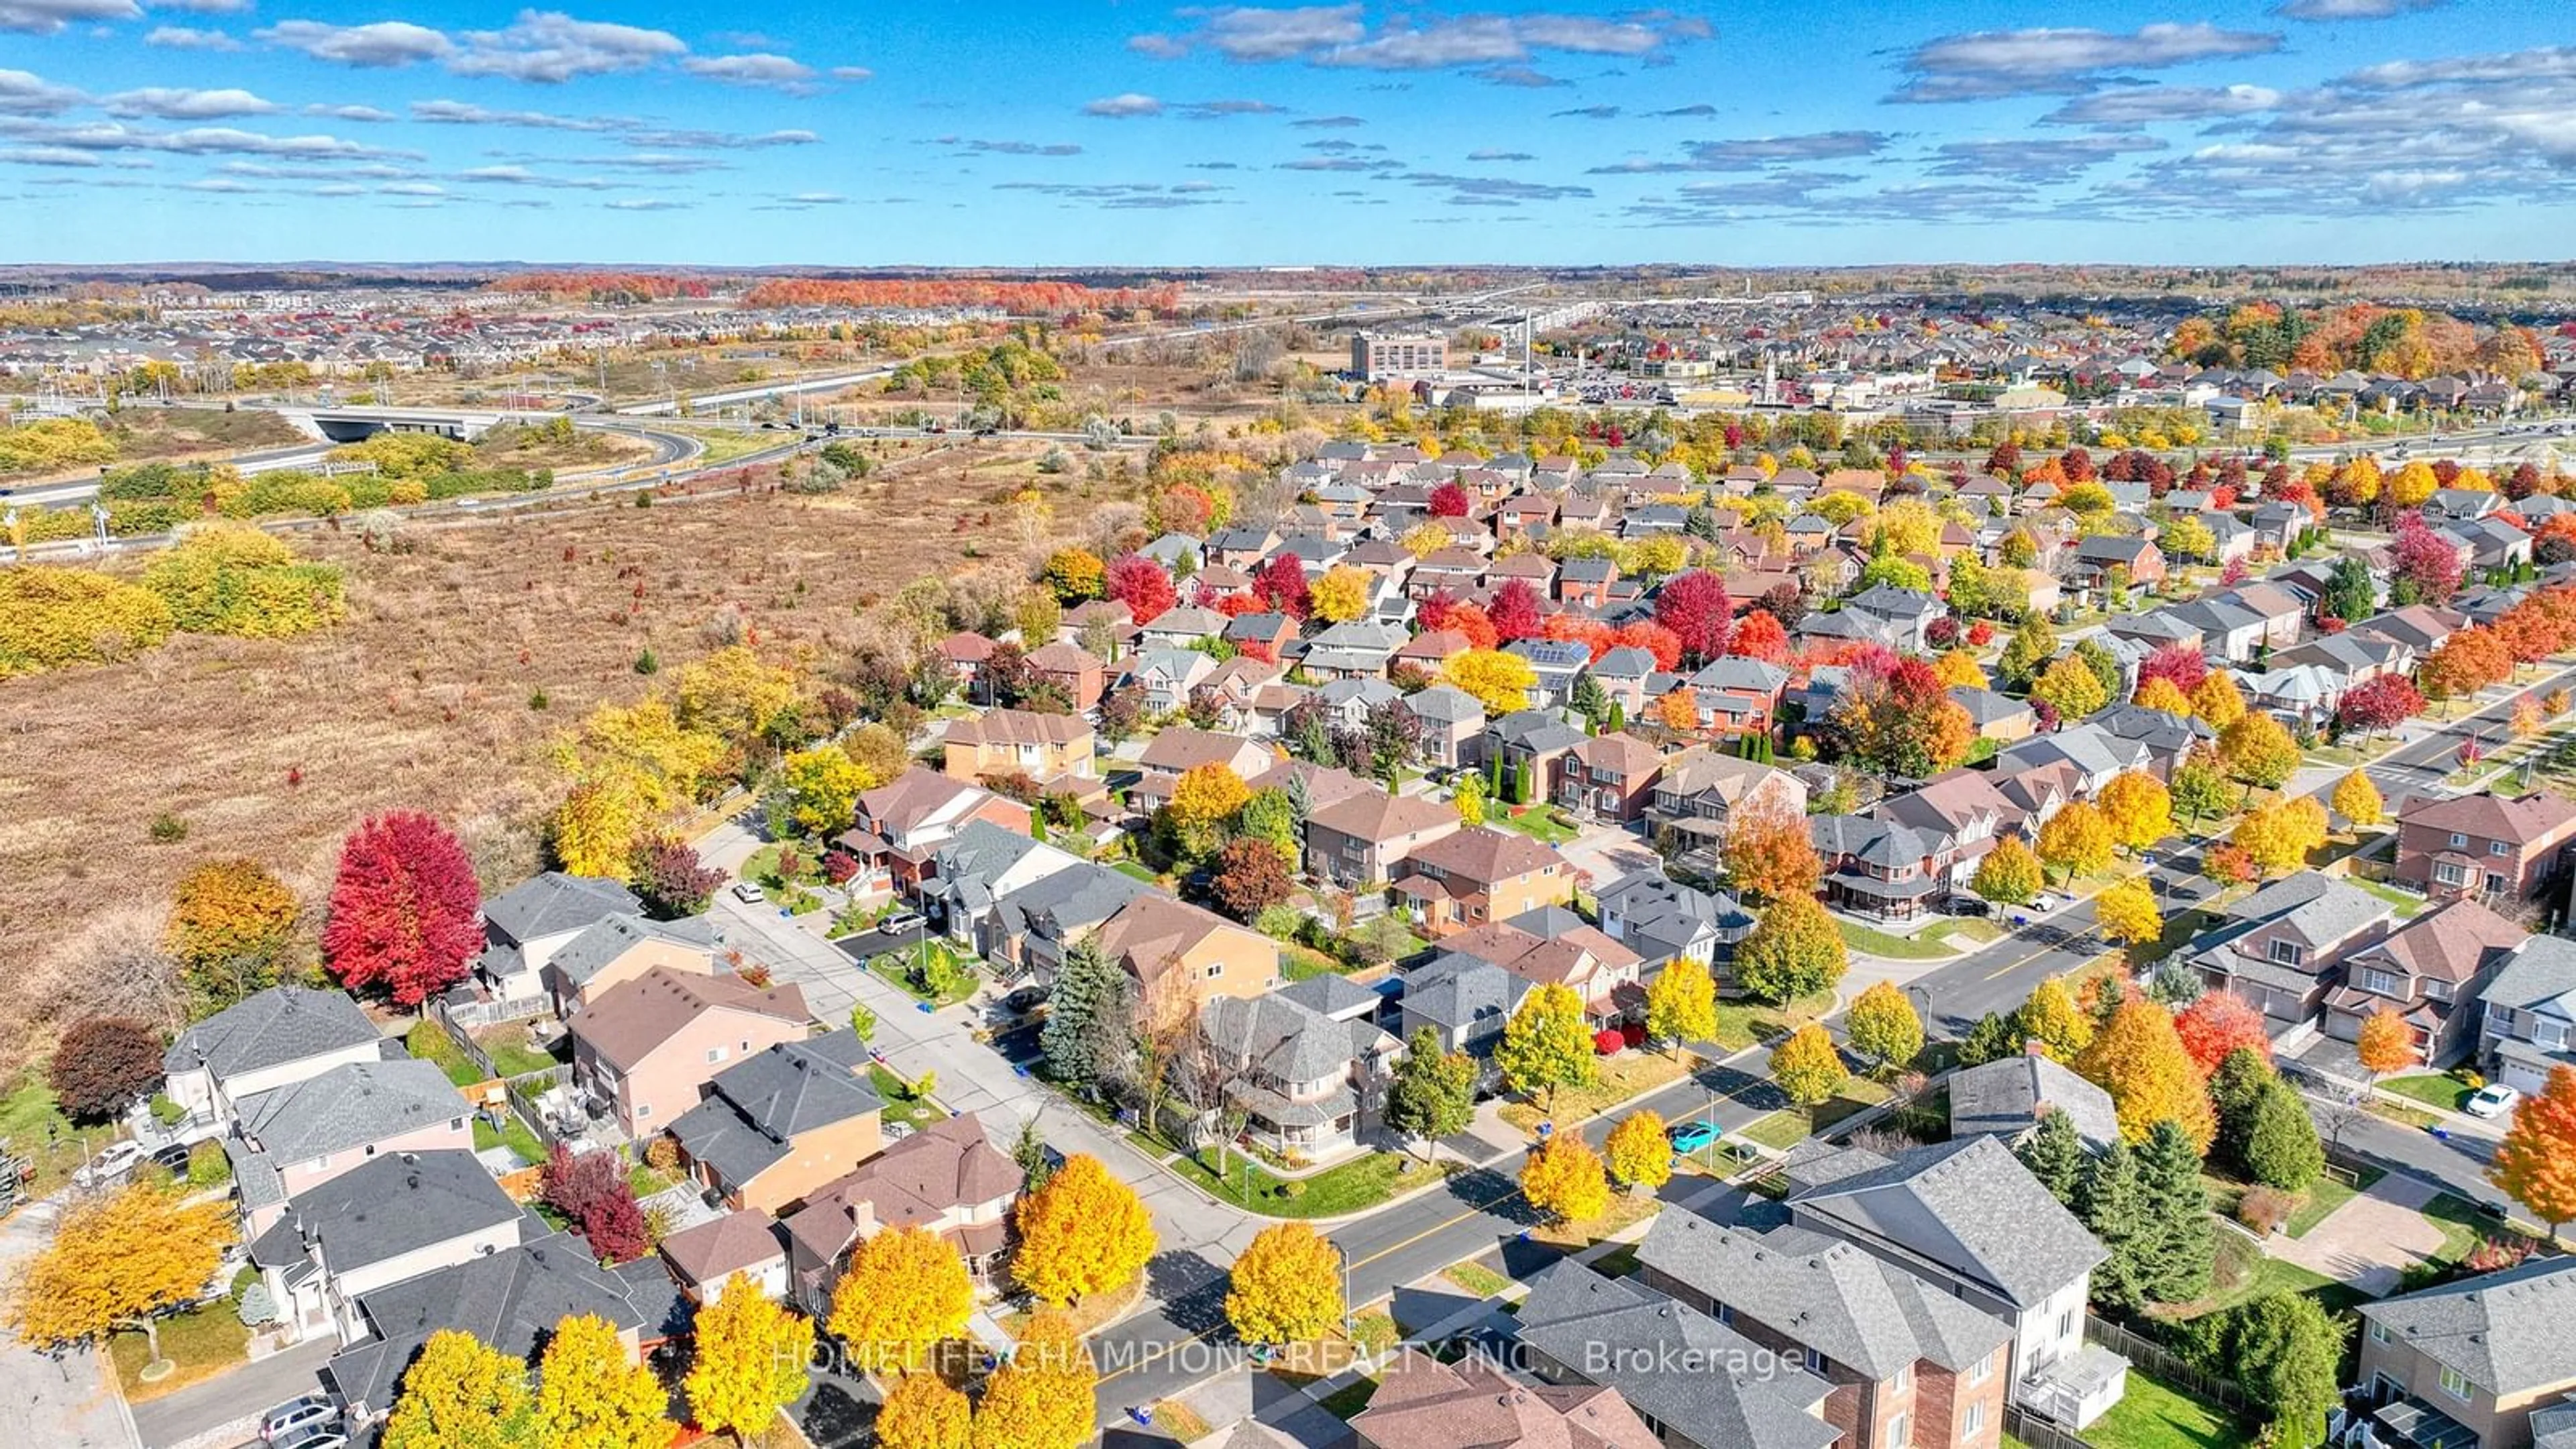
[
  {"x": 387, "y": 1207},
  {"x": 279, "y": 1025},
  {"x": 2506, "y": 1331},
  {"x": 1704, "y": 1381},
  {"x": 1969, "y": 1206},
  {"x": 348, "y": 1107}
]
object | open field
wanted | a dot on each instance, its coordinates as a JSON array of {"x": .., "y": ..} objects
[{"x": 422, "y": 699}]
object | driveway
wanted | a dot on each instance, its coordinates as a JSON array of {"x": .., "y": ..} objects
[
  {"x": 2372, "y": 1240},
  {"x": 1606, "y": 852},
  {"x": 60, "y": 1401}
]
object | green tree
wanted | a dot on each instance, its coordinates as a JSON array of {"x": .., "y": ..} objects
[
  {"x": 2054, "y": 1153},
  {"x": 2281, "y": 1147},
  {"x": 2108, "y": 1203},
  {"x": 2033, "y": 644},
  {"x": 1681, "y": 1003},
  {"x": 1795, "y": 950},
  {"x": 2198, "y": 789},
  {"x": 2235, "y": 1091},
  {"x": 1434, "y": 1092},
  {"x": 1546, "y": 1044},
  {"x": 2285, "y": 1351},
  {"x": 1089, "y": 994},
  {"x": 2178, "y": 1246}
]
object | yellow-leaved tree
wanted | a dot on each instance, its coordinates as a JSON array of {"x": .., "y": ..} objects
[
  {"x": 462, "y": 1394},
  {"x": 2076, "y": 840},
  {"x": 2009, "y": 875},
  {"x": 1884, "y": 1026},
  {"x": 2162, "y": 693},
  {"x": 1045, "y": 1397},
  {"x": 822, "y": 787},
  {"x": 117, "y": 1262},
  {"x": 1959, "y": 670},
  {"x": 2357, "y": 800},
  {"x": 2386, "y": 1043},
  {"x": 921, "y": 1412},
  {"x": 2050, "y": 1017},
  {"x": 1562, "y": 1177},
  {"x": 1085, "y": 1232},
  {"x": 734, "y": 695},
  {"x": 1681, "y": 1003},
  {"x": 2127, "y": 912},
  {"x": 906, "y": 1292},
  {"x": 1340, "y": 595},
  {"x": 2139, "y": 809},
  {"x": 2217, "y": 702},
  {"x": 750, "y": 1361},
  {"x": 1638, "y": 1152},
  {"x": 1807, "y": 1065},
  {"x": 2139, "y": 1059},
  {"x": 589, "y": 1396},
  {"x": 1500, "y": 682},
  {"x": 1286, "y": 1287}
]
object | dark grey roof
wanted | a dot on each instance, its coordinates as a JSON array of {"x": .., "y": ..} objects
[
  {"x": 552, "y": 903},
  {"x": 391, "y": 1205},
  {"x": 1329, "y": 995},
  {"x": 1536, "y": 730},
  {"x": 348, "y": 1107},
  {"x": 508, "y": 1300},
  {"x": 1969, "y": 1206},
  {"x": 2319, "y": 907},
  {"x": 2006, "y": 1095},
  {"x": 1855, "y": 1309},
  {"x": 756, "y": 1109},
  {"x": 279, "y": 1025},
  {"x": 1082, "y": 895},
  {"x": 1284, "y": 1040},
  {"x": 1985, "y": 707},
  {"x": 2541, "y": 971},
  {"x": 1658, "y": 917},
  {"x": 1457, "y": 990},
  {"x": 1446, "y": 704},
  {"x": 610, "y": 937},
  {"x": 2506, "y": 1331},
  {"x": 1704, "y": 1381}
]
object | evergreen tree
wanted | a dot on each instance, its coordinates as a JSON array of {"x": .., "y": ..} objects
[
  {"x": 1994, "y": 1037},
  {"x": 2281, "y": 1148},
  {"x": 2235, "y": 1089},
  {"x": 2108, "y": 1201},
  {"x": 2176, "y": 1240},
  {"x": 1087, "y": 988},
  {"x": 2054, "y": 1154},
  {"x": 1590, "y": 700}
]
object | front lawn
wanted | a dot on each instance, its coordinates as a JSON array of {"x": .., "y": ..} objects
[
  {"x": 2407, "y": 902},
  {"x": 2244, "y": 1271},
  {"x": 1476, "y": 1278},
  {"x": 900, "y": 1106},
  {"x": 1361, "y": 1183},
  {"x": 1297, "y": 963},
  {"x": 201, "y": 1342},
  {"x": 1626, "y": 1210},
  {"x": 2324, "y": 1197},
  {"x": 2153, "y": 1416},
  {"x": 1790, "y": 1126},
  {"x": 1871, "y": 942},
  {"x": 1134, "y": 871},
  {"x": 1615, "y": 1079},
  {"x": 1742, "y": 1023},
  {"x": 1534, "y": 821},
  {"x": 2433, "y": 1089},
  {"x": 931, "y": 971},
  {"x": 36, "y": 1129},
  {"x": 1346, "y": 1402}
]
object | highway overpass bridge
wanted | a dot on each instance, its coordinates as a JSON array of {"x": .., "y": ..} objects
[{"x": 351, "y": 424}]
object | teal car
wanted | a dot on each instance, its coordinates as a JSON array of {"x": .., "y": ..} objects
[{"x": 1691, "y": 1136}]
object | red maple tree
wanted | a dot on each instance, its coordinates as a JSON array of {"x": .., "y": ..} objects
[
  {"x": 1142, "y": 585},
  {"x": 1517, "y": 612},
  {"x": 405, "y": 911},
  {"x": 1695, "y": 606}
]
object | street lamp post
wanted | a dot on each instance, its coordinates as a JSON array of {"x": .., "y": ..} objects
[{"x": 1344, "y": 1255}]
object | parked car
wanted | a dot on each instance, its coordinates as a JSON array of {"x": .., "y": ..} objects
[
  {"x": 2495, "y": 1099},
  {"x": 295, "y": 1416},
  {"x": 111, "y": 1165},
  {"x": 313, "y": 1436},
  {"x": 747, "y": 893},
  {"x": 173, "y": 1155},
  {"x": 1691, "y": 1136},
  {"x": 901, "y": 921}
]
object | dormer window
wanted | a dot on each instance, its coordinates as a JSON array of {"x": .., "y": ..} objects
[{"x": 2287, "y": 953}]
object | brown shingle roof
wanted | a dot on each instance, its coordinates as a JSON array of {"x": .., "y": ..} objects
[
  {"x": 1425, "y": 1404},
  {"x": 1151, "y": 931},
  {"x": 2490, "y": 816},
  {"x": 633, "y": 1017},
  {"x": 1019, "y": 727},
  {"x": 935, "y": 1171},
  {"x": 1486, "y": 855},
  {"x": 1063, "y": 658},
  {"x": 712, "y": 1250},
  {"x": 1378, "y": 816}
]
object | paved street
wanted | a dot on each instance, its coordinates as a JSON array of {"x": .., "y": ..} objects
[
  {"x": 59, "y": 1401},
  {"x": 225, "y": 1411}
]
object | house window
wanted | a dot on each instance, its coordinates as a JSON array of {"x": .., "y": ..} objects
[
  {"x": 1973, "y": 1422},
  {"x": 2458, "y": 840},
  {"x": 2495, "y": 883},
  {"x": 455, "y": 1124},
  {"x": 643, "y": 1110},
  {"x": 1215, "y": 971},
  {"x": 2378, "y": 1332},
  {"x": 2380, "y": 981},
  {"x": 2450, "y": 873},
  {"x": 1899, "y": 1428},
  {"x": 2456, "y": 1384},
  {"x": 2287, "y": 953},
  {"x": 2438, "y": 990},
  {"x": 2497, "y": 847},
  {"x": 1815, "y": 1362},
  {"x": 1904, "y": 1377},
  {"x": 2551, "y": 1034},
  {"x": 1983, "y": 1369},
  {"x": 715, "y": 1053}
]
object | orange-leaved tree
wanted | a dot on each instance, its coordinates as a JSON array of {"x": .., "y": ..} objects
[
  {"x": 2536, "y": 1162},
  {"x": 2139, "y": 1059}
]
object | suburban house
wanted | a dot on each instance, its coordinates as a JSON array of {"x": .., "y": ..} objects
[
  {"x": 511, "y": 1301},
  {"x": 1175, "y": 752},
  {"x": 1300, "y": 1063},
  {"x": 1700, "y": 789},
  {"x": 1422, "y": 1403},
  {"x": 1365, "y": 838},
  {"x": 1464, "y": 1000},
  {"x": 1165, "y": 677},
  {"x": 2432, "y": 970},
  {"x": 1030, "y": 929},
  {"x": 1893, "y": 871},
  {"x": 978, "y": 866},
  {"x": 1453, "y": 727},
  {"x": 1664, "y": 921},
  {"x": 2006, "y": 1098},
  {"x": 2281, "y": 946},
  {"x": 702, "y": 1259},
  {"x": 388, "y": 1219},
  {"x": 1159, "y": 940},
  {"x": 1552, "y": 946},
  {"x": 524, "y": 926},
  {"x": 2529, "y": 1014},
  {"x": 1535, "y": 738},
  {"x": 782, "y": 1122},
  {"x": 2467, "y": 1364},
  {"x": 1911, "y": 1367},
  {"x": 2511, "y": 851},
  {"x": 1078, "y": 672},
  {"x": 293, "y": 1138},
  {"x": 1697, "y": 1382},
  {"x": 945, "y": 1178},
  {"x": 274, "y": 1039},
  {"x": 1467, "y": 877},
  {"x": 897, "y": 827},
  {"x": 2116, "y": 560},
  {"x": 1609, "y": 778},
  {"x": 1735, "y": 695},
  {"x": 1969, "y": 1219},
  {"x": 621, "y": 947},
  {"x": 645, "y": 1048},
  {"x": 1001, "y": 742}
]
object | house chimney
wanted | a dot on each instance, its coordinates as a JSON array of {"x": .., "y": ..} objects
[{"x": 2034, "y": 1047}]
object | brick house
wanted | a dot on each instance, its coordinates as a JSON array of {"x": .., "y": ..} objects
[
  {"x": 1609, "y": 778},
  {"x": 648, "y": 1046},
  {"x": 1367, "y": 837},
  {"x": 2431, "y": 970},
  {"x": 782, "y": 1122},
  {"x": 1158, "y": 939},
  {"x": 947, "y": 1178},
  {"x": 1468, "y": 877},
  {"x": 2284, "y": 946},
  {"x": 1077, "y": 671},
  {"x": 1043, "y": 747},
  {"x": 2511, "y": 851}
]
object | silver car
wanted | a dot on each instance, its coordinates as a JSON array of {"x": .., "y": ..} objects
[{"x": 298, "y": 1420}]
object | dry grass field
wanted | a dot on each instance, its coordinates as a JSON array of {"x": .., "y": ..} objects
[{"x": 424, "y": 697}]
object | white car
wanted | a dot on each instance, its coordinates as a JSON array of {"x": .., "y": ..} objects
[
  {"x": 2492, "y": 1100},
  {"x": 283, "y": 1424},
  {"x": 747, "y": 893},
  {"x": 113, "y": 1162}
]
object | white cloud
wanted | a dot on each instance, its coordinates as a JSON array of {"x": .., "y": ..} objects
[
  {"x": 1120, "y": 107},
  {"x": 23, "y": 94},
  {"x": 855, "y": 74},
  {"x": 777, "y": 72},
  {"x": 48, "y": 17},
  {"x": 2145, "y": 105},
  {"x": 1339, "y": 35},
  {"x": 368, "y": 114},
  {"x": 181, "y": 37},
  {"x": 1995, "y": 63},
  {"x": 2350, "y": 9},
  {"x": 550, "y": 47},
  {"x": 175, "y": 104},
  {"x": 460, "y": 113},
  {"x": 383, "y": 44},
  {"x": 648, "y": 205},
  {"x": 204, "y": 7}
]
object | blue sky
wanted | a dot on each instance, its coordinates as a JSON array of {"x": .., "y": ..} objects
[{"x": 1832, "y": 131}]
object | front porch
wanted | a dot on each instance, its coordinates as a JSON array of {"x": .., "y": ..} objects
[{"x": 1863, "y": 894}]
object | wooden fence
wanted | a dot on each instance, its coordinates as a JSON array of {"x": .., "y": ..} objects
[
  {"x": 2157, "y": 1361},
  {"x": 2039, "y": 1433}
]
